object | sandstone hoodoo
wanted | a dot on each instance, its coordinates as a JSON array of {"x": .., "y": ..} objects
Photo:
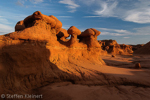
[
  {"x": 74, "y": 32},
  {"x": 62, "y": 35},
  {"x": 89, "y": 37},
  {"x": 37, "y": 54},
  {"x": 58, "y": 24},
  {"x": 20, "y": 26}
]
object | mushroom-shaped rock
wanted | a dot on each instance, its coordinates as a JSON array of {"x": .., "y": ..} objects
[
  {"x": 50, "y": 20},
  {"x": 63, "y": 34},
  {"x": 36, "y": 27},
  {"x": 97, "y": 33},
  {"x": 89, "y": 36},
  {"x": 39, "y": 16},
  {"x": 20, "y": 26},
  {"x": 58, "y": 24},
  {"x": 30, "y": 19},
  {"x": 89, "y": 32},
  {"x": 74, "y": 32}
]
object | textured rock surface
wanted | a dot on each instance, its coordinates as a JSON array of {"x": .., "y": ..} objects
[
  {"x": 62, "y": 35},
  {"x": 32, "y": 57},
  {"x": 89, "y": 37},
  {"x": 111, "y": 46},
  {"x": 136, "y": 47},
  {"x": 144, "y": 49}
]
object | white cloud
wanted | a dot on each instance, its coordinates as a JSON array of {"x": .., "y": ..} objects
[
  {"x": 5, "y": 29},
  {"x": 64, "y": 16},
  {"x": 36, "y": 1},
  {"x": 70, "y": 4},
  {"x": 126, "y": 37},
  {"x": 120, "y": 32},
  {"x": 142, "y": 30},
  {"x": 4, "y": 20},
  {"x": 129, "y": 10},
  {"x": 88, "y": 2},
  {"x": 20, "y": 3},
  {"x": 66, "y": 27},
  {"x": 138, "y": 15},
  {"x": 91, "y": 16},
  {"x": 114, "y": 32},
  {"x": 107, "y": 9}
]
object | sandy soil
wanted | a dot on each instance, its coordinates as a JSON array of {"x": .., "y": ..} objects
[
  {"x": 135, "y": 82},
  {"x": 80, "y": 92}
]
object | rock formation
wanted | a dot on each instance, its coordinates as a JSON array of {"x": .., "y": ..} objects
[
  {"x": 111, "y": 46},
  {"x": 20, "y": 26},
  {"x": 89, "y": 37},
  {"x": 62, "y": 35},
  {"x": 136, "y": 47},
  {"x": 137, "y": 66},
  {"x": 74, "y": 32},
  {"x": 144, "y": 49},
  {"x": 32, "y": 56},
  {"x": 58, "y": 24}
]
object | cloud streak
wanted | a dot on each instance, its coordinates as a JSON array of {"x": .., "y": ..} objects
[
  {"x": 120, "y": 32},
  {"x": 107, "y": 9},
  {"x": 139, "y": 12},
  {"x": 5, "y": 29},
  {"x": 70, "y": 4},
  {"x": 20, "y": 3},
  {"x": 36, "y": 1}
]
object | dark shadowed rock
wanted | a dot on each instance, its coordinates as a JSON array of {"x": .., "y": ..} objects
[
  {"x": 144, "y": 49},
  {"x": 137, "y": 66}
]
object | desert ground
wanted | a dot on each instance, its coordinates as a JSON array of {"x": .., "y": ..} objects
[{"x": 121, "y": 67}]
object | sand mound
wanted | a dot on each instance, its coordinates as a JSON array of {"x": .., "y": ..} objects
[{"x": 144, "y": 49}]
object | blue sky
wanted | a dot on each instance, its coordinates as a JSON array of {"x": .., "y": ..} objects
[{"x": 127, "y": 21}]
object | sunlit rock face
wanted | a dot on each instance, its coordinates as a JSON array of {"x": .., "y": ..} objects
[{"x": 38, "y": 53}]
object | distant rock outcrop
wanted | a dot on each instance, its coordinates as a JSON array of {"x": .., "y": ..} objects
[
  {"x": 136, "y": 47},
  {"x": 111, "y": 46},
  {"x": 37, "y": 54},
  {"x": 144, "y": 49}
]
